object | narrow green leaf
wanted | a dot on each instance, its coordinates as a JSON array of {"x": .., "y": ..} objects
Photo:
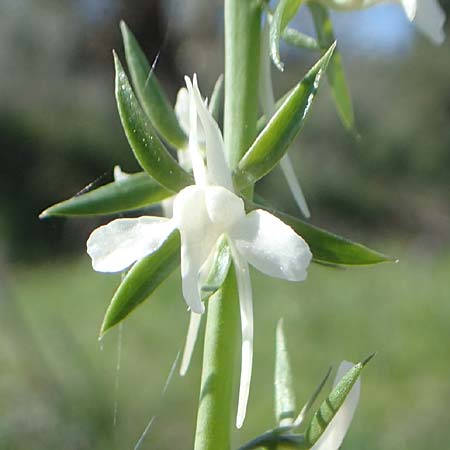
[
  {"x": 331, "y": 249},
  {"x": 327, "y": 248},
  {"x": 307, "y": 406},
  {"x": 216, "y": 100},
  {"x": 140, "y": 282},
  {"x": 334, "y": 401},
  {"x": 297, "y": 39},
  {"x": 335, "y": 73},
  {"x": 150, "y": 93},
  {"x": 274, "y": 140},
  {"x": 147, "y": 147},
  {"x": 133, "y": 192},
  {"x": 285, "y": 404},
  {"x": 284, "y": 12},
  {"x": 217, "y": 266}
]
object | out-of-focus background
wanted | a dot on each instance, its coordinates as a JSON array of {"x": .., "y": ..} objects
[{"x": 59, "y": 131}]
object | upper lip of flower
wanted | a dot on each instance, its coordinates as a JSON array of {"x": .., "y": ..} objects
[{"x": 202, "y": 213}]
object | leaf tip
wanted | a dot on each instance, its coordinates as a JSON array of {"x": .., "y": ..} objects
[
  {"x": 365, "y": 361},
  {"x": 44, "y": 214}
]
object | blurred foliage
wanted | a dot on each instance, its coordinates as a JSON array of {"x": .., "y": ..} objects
[{"x": 57, "y": 386}]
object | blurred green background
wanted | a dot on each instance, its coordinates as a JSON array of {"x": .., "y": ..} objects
[{"x": 59, "y": 131}]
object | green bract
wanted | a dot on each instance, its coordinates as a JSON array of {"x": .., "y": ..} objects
[
  {"x": 335, "y": 72},
  {"x": 147, "y": 147},
  {"x": 149, "y": 92},
  {"x": 285, "y": 405},
  {"x": 333, "y": 402},
  {"x": 285, "y": 11},
  {"x": 133, "y": 192},
  {"x": 274, "y": 140},
  {"x": 142, "y": 279}
]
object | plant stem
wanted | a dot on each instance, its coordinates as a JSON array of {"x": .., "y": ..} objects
[
  {"x": 242, "y": 41},
  {"x": 215, "y": 410}
]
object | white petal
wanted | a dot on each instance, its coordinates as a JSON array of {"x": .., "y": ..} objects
[
  {"x": 272, "y": 246},
  {"x": 191, "y": 218},
  {"x": 198, "y": 165},
  {"x": 116, "y": 246},
  {"x": 410, "y": 7},
  {"x": 182, "y": 109},
  {"x": 224, "y": 208},
  {"x": 119, "y": 175},
  {"x": 218, "y": 170},
  {"x": 191, "y": 339},
  {"x": 246, "y": 308},
  {"x": 334, "y": 434},
  {"x": 294, "y": 185},
  {"x": 430, "y": 18}
]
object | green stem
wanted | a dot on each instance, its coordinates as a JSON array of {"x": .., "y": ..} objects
[
  {"x": 215, "y": 410},
  {"x": 242, "y": 41}
]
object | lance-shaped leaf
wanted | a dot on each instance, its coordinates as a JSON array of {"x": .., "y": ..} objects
[
  {"x": 133, "y": 192},
  {"x": 216, "y": 267},
  {"x": 274, "y": 140},
  {"x": 147, "y": 147},
  {"x": 150, "y": 93},
  {"x": 327, "y": 248},
  {"x": 284, "y": 12},
  {"x": 143, "y": 278},
  {"x": 335, "y": 73},
  {"x": 334, "y": 401},
  {"x": 285, "y": 404}
]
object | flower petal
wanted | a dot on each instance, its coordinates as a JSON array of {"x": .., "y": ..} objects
[
  {"x": 224, "y": 208},
  {"x": 198, "y": 165},
  {"x": 272, "y": 246},
  {"x": 294, "y": 185},
  {"x": 191, "y": 339},
  {"x": 218, "y": 171},
  {"x": 333, "y": 436},
  {"x": 117, "y": 245},
  {"x": 246, "y": 308},
  {"x": 430, "y": 18},
  {"x": 182, "y": 109},
  {"x": 197, "y": 241}
]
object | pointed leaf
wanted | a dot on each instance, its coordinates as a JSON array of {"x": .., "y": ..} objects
[
  {"x": 307, "y": 406},
  {"x": 217, "y": 267},
  {"x": 147, "y": 147},
  {"x": 284, "y": 12},
  {"x": 285, "y": 404},
  {"x": 274, "y": 140},
  {"x": 150, "y": 93},
  {"x": 335, "y": 73},
  {"x": 216, "y": 100},
  {"x": 327, "y": 248},
  {"x": 331, "y": 405},
  {"x": 133, "y": 192},
  {"x": 140, "y": 282}
]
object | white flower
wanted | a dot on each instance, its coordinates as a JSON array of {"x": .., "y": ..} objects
[
  {"x": 427, "y": 15},
  {"x": 203, "y": 213},
  {"x": 267, "y": 101},
  {"x": 336, "y": 430}
]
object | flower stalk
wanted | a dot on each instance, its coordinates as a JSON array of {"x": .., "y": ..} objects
[{"x": 215, "y": 416}]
